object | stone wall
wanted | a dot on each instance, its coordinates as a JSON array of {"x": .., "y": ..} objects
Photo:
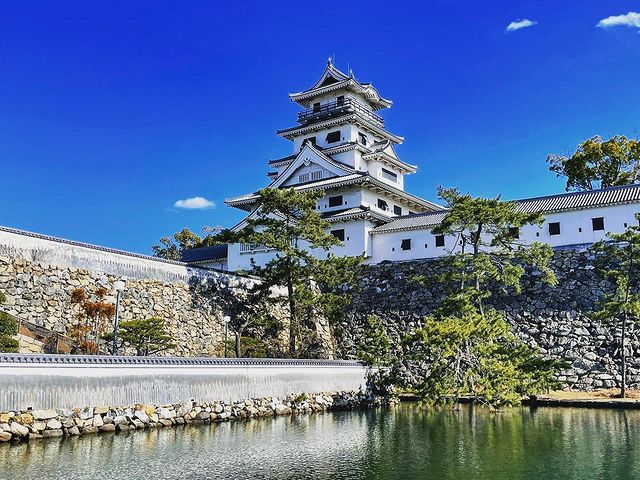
[
  {"x": 555, "y": 319},
  {"x": 19, "y": 426},
  {"x": 38, "y": 274}
]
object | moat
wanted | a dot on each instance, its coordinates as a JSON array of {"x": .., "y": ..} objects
[{"x": 401, "y": 442}]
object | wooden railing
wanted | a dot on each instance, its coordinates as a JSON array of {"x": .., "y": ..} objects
[{"x": 338, "y": 107}]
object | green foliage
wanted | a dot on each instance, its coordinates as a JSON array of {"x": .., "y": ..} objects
[
  {"x": 618, "y": 260},
  {"x": 148, "y": 336},
  {"x": 473, "y": 354},
  {"x": 171, "y": 248},
  {"x": 8, "y": 328},
  {"x": 289, "y": 223},
  {"x": 375, "y": 348},
  {"x": 598, "y": 163},
  {"x": 468, "y": 348}
]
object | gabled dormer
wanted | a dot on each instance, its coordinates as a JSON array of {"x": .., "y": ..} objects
[{"x": 309, "y": 165}]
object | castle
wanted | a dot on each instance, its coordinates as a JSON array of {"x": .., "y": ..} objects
[{"x": 341, "y": 147}]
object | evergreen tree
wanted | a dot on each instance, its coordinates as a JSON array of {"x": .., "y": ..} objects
[
  {"x": 8, "y": 329},
  {"x": 171, "y": 248},
  {"x": 148, "y": 337},
  {"x": 618, "y": 260},
  {"x": 289, "y": 223},
  {"x": 466, "y": 346}
]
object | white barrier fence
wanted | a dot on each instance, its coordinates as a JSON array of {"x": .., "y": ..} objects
[{"x": 69, "y": 381}]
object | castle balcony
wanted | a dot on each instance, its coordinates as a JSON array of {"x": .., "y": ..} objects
[{"x": 336, "y": 108}]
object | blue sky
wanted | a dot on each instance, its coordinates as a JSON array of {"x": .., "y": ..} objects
[{"x": 110, "y": 112}]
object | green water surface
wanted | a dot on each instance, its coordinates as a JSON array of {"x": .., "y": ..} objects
[{"x": 402, "y": 442}]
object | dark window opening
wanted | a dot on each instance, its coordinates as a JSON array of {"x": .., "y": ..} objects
[
  {"x": 340, "y": 100},
  {"x": 339, "y": 234},
  {"x": 316, "y": 107},
  {"x": 625, "y": 225},
  {"x": 554, "y": 228},
  {"x": 397, "y": 210},
  {"x": 333, "y": 137},
  {"x": 362, "y": 138},
  {"x": 389, "y": 175},
  {"x": 335, "y": 201},
  {"x": 579, "y": 229},
  {"x": 425, "y": 245},
  {"x": 597, "y": 223},
  {"x": 383, "y": 205},
  {"x": 312, "y": 140},
  {"x": 514, "y": 232},
  {"x": 439, "y": 240},
  {"x": 406, "y": 244}
]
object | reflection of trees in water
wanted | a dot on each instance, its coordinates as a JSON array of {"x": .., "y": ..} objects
[
  {"x": 516, "y": 443},
  {"x": 401, "y": 442}
]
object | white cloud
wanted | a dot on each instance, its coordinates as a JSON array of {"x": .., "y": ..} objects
[
  {"x": 631, "y": 19},
  {"x": 518, "y": 24},
  {"x": 194, "y": 203}
]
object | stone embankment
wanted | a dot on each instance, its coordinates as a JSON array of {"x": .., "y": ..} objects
[
  {"x": 36, "y": 424},
  {"x": 557, "y": 320}
]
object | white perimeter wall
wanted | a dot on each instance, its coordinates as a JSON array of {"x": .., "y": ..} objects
[
  {"x": 42, "y": 386},
  {"x": 575, "y": 229}
]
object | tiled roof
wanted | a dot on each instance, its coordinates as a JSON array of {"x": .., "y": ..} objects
[
  {"x": 341, "y": 181},
  {"x": 215, "y": 252},
  {"x": 349, "y": 213},
  {"x": 581, "y": 200},
  {"x": 548, "y": 204},
  {"x": 412, "y": 222}
]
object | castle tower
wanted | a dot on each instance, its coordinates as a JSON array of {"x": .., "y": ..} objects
[{"x": 340, "y": 146}]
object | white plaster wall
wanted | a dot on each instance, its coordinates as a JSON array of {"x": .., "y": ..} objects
[
  {"x": 387, "y": 246},
  {"x": 75, "y": 386},
  {"x": 64, "y": 253}
]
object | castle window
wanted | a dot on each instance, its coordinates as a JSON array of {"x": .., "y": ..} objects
[
  {"x": 389, "y": 175},
  {"x": 303, "y": 177},
  {"x": 317, "y": 175},
  {"x": 335, "y": 201},
  {"x": 339, "y": 234},
  {"x": 340, "y": 100},
  {"x": 311, "y": 140},
  {"x": 406, "y": 244},
  {"x": 597, "y": 223},
  {"x": 554, "y": 228},
  {"x": 439, "y": 240},
  {"x": 316, "y": 107},
  {"x": 362, "y": 138},
  {"x": 333, "y": 137},
  {"x": 397, "y": 210},
  {"x": 382, "y": 205}
]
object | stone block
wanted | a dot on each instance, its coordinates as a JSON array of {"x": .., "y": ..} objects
[
  {"x": 52, "y": 433},
  {"x": 44, "y": 414}
]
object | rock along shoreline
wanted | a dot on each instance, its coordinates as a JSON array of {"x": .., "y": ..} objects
[{"x": 28, "y": 425}]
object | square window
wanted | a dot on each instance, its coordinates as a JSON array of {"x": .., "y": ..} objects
[
  {"x": 362, "y": 138},
  {"x": 333, "y": 137},
  {"x": 554, "y": 228},
  {"x": 339, "y": 234},
  {"x": 397, "y": 210},
  {"x": 335, "y": 201},
  {"x": 406, "y": 244},
  {"x": 597, "y": 223},
  {"x": 303, "y": 177},
  {"x": 389, "y": 175},
  {"x": 382, "y": 205},
  {"x": 340, "y": 100},
  {"x": 439, "y": 240},
  {"x": 316, "y": 107}
]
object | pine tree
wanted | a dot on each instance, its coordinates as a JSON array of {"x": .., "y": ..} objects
[
  {"x": 8, "y": 329},
  {"x": 467, "y": 346},
  {"x": 618, "y": 260},
  {"x": 288, "y": 222}
]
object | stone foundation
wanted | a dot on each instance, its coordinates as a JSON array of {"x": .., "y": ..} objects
[
  {"x": 554, "y": 319},
  {"x": 36, "y": 424}
]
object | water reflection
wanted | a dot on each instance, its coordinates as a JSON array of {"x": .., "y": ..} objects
[{"x": 404, "y": 443}]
